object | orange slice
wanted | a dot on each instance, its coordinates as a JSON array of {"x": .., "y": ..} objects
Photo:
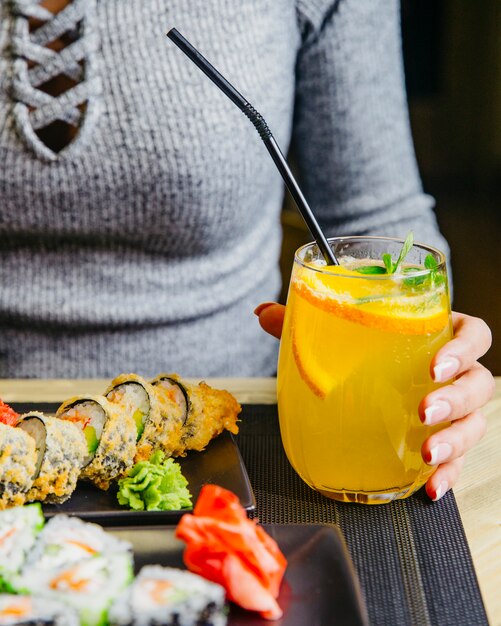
[
  {"x": 318, "y": 381},
  {"x": 351, "y": 300},
  {"x": 379, "y": 304}
]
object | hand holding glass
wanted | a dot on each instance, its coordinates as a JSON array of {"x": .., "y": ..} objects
[{"x": 354, "y": 365}]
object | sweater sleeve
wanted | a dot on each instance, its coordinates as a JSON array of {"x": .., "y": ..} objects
[{"x": 352, "y": 140}]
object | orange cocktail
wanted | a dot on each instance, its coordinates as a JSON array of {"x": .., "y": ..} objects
[{"x": 355, "y": 363}]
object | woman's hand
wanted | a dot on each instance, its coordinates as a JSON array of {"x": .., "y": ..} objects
[
  {"x": 460, "y": 402},
  {"x": 271, "y": 317}
]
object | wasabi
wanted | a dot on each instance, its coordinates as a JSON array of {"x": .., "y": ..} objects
[{"x": 155, "y": 485}]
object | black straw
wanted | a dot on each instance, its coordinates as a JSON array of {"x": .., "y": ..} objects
[{"x": 265, "y": 134}]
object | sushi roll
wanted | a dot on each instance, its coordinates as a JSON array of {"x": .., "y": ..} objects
[
  {"x": 89, "y": 587},
  {"x": 79, "y": 564},
  {"x": 158, "y": 419},
  {"x": 31, "y": 611},
  {"x": 110, "y": 437},
  {"x": 163, "y": 596},
  {"x": 60, "y": 451},
  {"x": 207, "y": 411},
  {"x": 17, "y": 465},
  {"x": 66, "y": 540},
  {"x": 19, "y": 527}
]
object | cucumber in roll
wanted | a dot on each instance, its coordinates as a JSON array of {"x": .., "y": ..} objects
[
  {"x": 207, "y": 411},
  {"x": 158, "y": 420},
  {"x": 165, "y": 596},
  {"x": 17, "y": 465},
  {"x": 110, "y": 437},
  {"x": 60, "y": 450}
]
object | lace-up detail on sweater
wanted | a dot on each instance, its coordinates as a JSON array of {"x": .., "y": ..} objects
[{"x": 39, "y": 63}]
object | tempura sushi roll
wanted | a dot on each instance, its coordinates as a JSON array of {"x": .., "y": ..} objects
[
  {"x": 89, "y": 586},
  {"x": 163, "y": 596},
  {"x": 19, "y": 527},
  {"x": 207, "y": 411},
  {"x": 158, "y": 419},
  {"x": 110, "y": 437},
  {"x": 33, "y": 611},
  {"x": 60, "y": 451},
  {"x": 17, "y": 465}
]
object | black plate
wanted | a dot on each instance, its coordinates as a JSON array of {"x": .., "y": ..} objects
[
  {"x": 320, "y": 586},
  {"x": 220, "y": 463}
]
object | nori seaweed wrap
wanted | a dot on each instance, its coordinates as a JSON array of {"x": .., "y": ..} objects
[
  {"x": 110, "y": 436},
  {"x": 165, "y": 596},
  {"x": 158, "y": 419},
  {"x": 207, "y": 411},
  {"x": 60, "y": 450}
]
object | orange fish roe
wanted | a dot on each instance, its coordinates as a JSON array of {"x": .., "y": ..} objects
[{"x": 7, "y": 414}]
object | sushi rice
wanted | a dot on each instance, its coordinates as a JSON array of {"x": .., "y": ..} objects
[
  {"x": 207, "y": 411},
  {"x": 60, "y": 449},
  {"x": 158, "y": 419},
  {"x": 66, "y": 540},
  {"x": 88, "y": 586},
  {"x": 163, "y": 596},
  {"x": 111, "y": 437},
  {"x": 33, "y": 611},
  {"x": 19, "y": 527},
  {"x": 79, "y": 564},
  {"x": 17, "y": 465}
]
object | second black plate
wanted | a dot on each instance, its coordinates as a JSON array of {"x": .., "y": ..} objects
[{"x": 320, "y": 586}]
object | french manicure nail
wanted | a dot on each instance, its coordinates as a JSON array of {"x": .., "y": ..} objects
[
  {"x": 440, "y": 453},
  {"x": 446, "y": 369},
  {"x": 442, "y": 489},
  {"x": 436, "y": 412}
]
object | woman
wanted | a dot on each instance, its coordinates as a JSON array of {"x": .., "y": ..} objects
[{"x": 139, "y": 212}]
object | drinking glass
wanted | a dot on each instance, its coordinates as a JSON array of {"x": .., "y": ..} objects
[{"x": 354, "y": 365}]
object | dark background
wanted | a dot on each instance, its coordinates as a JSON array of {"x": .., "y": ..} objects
[{"x": 452, "y": 57}]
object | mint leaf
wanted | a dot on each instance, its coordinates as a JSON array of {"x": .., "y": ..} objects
[
  {"x": 391, "y": 267},
  {"x": 413, "y": 281},
  {"x": 437, "y": 277},
  {"x": 371, "y": 269},
  {"x": 430, "y": 262},
  {"x": 388, "y": 262},
  {"x": 408, "y": 243}
]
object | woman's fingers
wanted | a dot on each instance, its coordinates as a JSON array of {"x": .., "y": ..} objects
[
  {"x": 453, "y": 442},
  {"x": 271, "y": 317},
  {"x": 472, "y": 339},
  {"x": 467, "y": 393},
  {"x": 458, "y": 402},
  {"x": 444, "y": 478}
]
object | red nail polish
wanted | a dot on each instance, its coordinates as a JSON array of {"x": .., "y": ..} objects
[{"x": 261, "y": 307}]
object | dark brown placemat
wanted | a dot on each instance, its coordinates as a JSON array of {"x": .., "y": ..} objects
[{"x": 411, "y": 556}]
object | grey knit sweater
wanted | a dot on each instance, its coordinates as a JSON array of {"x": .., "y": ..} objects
[{"x": 146, "y": 243}]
